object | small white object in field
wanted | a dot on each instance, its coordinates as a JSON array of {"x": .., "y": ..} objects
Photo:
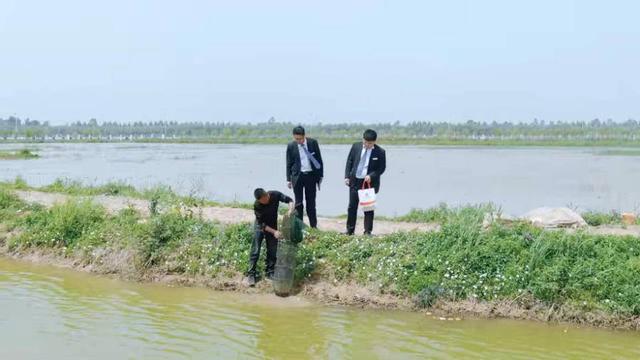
[{"x": 549, "y": 217}]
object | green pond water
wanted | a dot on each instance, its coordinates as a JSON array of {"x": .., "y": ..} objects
[{"x": 52, "y": 313}]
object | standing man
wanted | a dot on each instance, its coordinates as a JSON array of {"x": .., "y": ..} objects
[
  {"x": 304, "y": 172},
  {"x": 365, "y": 164},
  {"x": 266, "y": 211}
]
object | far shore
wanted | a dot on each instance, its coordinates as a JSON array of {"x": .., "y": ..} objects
[{"x": 451, "y": 142}]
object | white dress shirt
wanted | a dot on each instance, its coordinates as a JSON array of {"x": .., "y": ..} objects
[
  {"x": 305, "y": 163},
  {"x": 366, "y": 154}
]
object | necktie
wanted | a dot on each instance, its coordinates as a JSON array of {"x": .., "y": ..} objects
[
  {"x": 311, "y": 158},
  {"x": 363, "y": 160}
]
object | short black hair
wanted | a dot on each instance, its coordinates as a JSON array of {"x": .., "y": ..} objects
[
  {"x": 370, "y": 135},
  {"x": 259, "y": 193},
  {"x": 298, "y": 130}
]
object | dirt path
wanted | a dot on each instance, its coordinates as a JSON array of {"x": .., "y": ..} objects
[
  {"x": 227, "y": 215},
  {"x": 224, "y": 215}
]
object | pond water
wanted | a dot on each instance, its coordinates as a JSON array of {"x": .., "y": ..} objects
[
  {"x": 53, "y": 313},
  {"x": 517, "y": 179}
]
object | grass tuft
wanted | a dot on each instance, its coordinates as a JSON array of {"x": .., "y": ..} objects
[{"x": 22, "y": 154}]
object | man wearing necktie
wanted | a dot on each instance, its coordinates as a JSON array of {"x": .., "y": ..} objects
[
  {"x": 365, "y": 164},
  {"x": 304, "y": 172}
]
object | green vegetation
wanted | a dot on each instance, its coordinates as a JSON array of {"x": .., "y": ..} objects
[
  {"x": 621, "y": 152},
  {"x": 535, "y": 133},
  {"x": 170, "y": 241},
  {"x": 437, "y": 214},
  {"x": 516, "y": 263},
  {"x": 22, "y": 154},
  {"x": 594, "y": 218}
]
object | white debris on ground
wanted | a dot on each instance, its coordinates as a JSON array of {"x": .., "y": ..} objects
[
  {"x": 544, "y": 217},
  {"x": 550, "y": 217}
]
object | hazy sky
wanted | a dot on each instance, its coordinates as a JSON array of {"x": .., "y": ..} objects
[{"x": 329, "y": 61}]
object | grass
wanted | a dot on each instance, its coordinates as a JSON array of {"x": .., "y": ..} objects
[
  {"x": 594, "y": 218},
  {"x": 460, "y": 261},
  {"x": 620, "y": 152},
  {"x": 440, "y": 213},
  {"x": 22, "y": 154},
  {"x": 169, "y": 241}
]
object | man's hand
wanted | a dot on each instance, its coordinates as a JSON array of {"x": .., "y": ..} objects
[
  {"x": 347, "y": 181},
  {"x": 319, "y": 183},
  {"x": 277, "y": 234},
  {"x": 367, "y": 179},
  {"x": 289, "y": 184}
]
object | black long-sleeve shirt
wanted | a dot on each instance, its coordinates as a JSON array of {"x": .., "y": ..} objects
[{"x": 267, "y": 215}]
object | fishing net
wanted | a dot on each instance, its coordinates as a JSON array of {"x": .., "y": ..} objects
[{"x": 291, "y": 229}]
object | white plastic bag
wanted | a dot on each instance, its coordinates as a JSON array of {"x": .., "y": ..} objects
[{"x": 367, "y": 198}]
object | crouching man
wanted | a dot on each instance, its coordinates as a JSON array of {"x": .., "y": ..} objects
[{"x": 266, "y": 227}]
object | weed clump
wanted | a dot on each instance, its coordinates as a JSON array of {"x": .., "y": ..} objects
[
  {"x": 74, "y": 224},
  {"x": 22, "y": 154},
  {"x": 596, "y": 219}
]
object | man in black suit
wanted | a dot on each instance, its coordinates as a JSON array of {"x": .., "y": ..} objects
[
  {"x": 365, "y": 164},
  {"x": 304, "y": 172}
]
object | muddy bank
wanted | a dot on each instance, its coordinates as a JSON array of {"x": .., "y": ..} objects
[{"x": 118, "y": 265}]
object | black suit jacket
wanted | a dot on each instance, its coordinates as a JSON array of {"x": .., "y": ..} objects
[
  {"x": 377, "y": 164},
  {"x": 293, "y": 160}
]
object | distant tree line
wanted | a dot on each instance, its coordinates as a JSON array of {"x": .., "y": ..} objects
[{"x": 26, "y": 129}]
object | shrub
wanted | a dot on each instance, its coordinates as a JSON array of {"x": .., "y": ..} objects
[
  {"x": 596, "y": 219},
  {"x": 72, "y": 224}
]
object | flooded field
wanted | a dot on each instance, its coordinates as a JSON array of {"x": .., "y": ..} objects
[{"x": 518, "y": 179}]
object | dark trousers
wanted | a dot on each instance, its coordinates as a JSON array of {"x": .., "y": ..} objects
[
  {"x": 352, "y": 212},
  {"x": 306, "y": 184},
  {"x": 272, "y": 248}
]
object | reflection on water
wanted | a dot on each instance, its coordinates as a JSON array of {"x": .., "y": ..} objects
[
  {"x": 518, "y": 179},
  {"x": 60, "y": 314}
]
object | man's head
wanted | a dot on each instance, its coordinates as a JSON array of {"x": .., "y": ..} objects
[
  {"x": 298, "y": 134},
  {"x": 369, "y": 138},
  {"x": 261, "y": 195}
]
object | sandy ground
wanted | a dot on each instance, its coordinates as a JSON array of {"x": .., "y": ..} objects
[{"x": 225, "y": 215}]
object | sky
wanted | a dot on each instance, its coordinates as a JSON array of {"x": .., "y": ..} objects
[{"x": 319, "y": 61}]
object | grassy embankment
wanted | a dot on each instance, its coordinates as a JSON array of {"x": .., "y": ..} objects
[
  {"x": 437, "y": 214},
  {"x": 556, "y": 274},
  {"x": 22, "y": 154}
]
